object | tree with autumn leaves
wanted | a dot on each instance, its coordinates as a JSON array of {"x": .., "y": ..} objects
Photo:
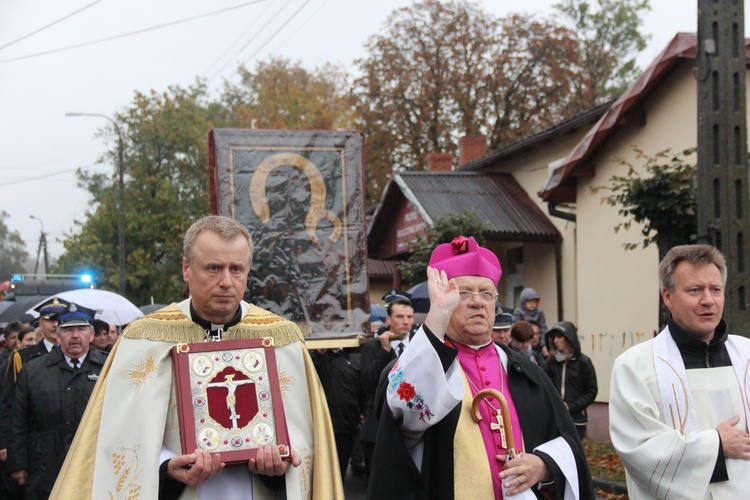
[
  {"x": 437, "y": 71},
  {"x": 166, "y": 165},
  {"x": 442, "y": 70},
  {"x": 166, "y": 179},
  {"x": 279, "y": 94}
]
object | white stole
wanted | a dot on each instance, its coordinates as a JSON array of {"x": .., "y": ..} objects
[
  {"x": 436, "y": 392},
  {"x": 677, "y": 407}
]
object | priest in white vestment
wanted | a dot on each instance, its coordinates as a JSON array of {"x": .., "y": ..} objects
[
  {"x": 128, "y": 443},
  {"x": 678, "y": 405}
]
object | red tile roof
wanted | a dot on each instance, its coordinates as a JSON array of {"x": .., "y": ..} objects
[{"x": 561, "y": 185}]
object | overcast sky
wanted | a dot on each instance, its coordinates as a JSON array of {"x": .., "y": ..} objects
[{"x": 40, "y": 148}]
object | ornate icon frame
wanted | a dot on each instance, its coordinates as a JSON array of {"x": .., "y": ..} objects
[
  {"x": 197, "y": 367},
  {"x": 300, "y": 194}
]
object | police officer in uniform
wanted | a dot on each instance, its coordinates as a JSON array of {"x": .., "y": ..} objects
[
  {"x": 47, "y": 323},
  {"x": 51, "y": 396}
]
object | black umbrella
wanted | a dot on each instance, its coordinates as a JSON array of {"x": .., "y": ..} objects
[
  {"x": 420, "y": 299},
  {"x": 149, "y": 308},
  {"x": 17, "y": 311}
]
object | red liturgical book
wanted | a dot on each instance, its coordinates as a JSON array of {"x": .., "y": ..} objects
[{"x": 229, "y": 398}]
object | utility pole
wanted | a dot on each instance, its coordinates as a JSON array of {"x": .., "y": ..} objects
[
  {"x": 121, "y": 208},
  {"x": 723, "y": 191},
  {"x": 42, "y": 245}
]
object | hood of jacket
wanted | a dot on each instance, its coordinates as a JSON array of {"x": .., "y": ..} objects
[
  {"x": 569, "y": 331},
  {"x": 528, "y": 294}
]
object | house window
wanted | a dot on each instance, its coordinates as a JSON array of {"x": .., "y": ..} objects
[
  {"x": 513, "y": 276},
  {"x": 514, "y": 260}
]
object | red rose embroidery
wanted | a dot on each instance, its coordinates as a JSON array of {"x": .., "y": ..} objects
[
  {"x": 460, "y": 245},
  {"x": 406, "y": 391}
]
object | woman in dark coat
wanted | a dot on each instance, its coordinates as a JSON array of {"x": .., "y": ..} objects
[{"x": 571, "y": 372}]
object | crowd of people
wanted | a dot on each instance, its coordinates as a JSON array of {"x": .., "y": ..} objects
[{"x": 475, "y": 402}]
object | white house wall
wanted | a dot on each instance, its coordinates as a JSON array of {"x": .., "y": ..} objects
[
  {"x": 618, "y": 289},
  {"x": 530, "y": 170}
]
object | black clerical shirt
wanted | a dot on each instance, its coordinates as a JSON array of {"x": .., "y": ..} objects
[{"x": 212, "y": 330}]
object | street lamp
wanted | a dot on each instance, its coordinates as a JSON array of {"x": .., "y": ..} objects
[
  {"x": 42, "y": 244},
  {"x": 121, "y": 210}
]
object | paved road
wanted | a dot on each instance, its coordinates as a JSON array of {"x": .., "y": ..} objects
[{"x": 355, "y": 488}]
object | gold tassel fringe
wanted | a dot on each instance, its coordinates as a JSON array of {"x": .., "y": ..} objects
[{"x": 171, "y": 325}]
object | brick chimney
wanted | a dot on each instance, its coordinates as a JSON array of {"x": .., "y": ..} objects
[
  {"x": 440, "y": 162},
  {"x": 471, "y": 148}
]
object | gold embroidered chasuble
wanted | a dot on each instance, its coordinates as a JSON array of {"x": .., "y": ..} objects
[{"x": 133, "y": 412}]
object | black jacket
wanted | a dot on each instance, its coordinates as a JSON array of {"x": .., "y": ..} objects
[
  {"x": 374, "y": 359},
  {"x": 338, "y": 371},
  {"x": 699, "y": 354},
  {"x": 49, "y": 402},
  {"x": 576, "y": 375},
  {"x": 540, "y": 410},
  {"x": 19, "y": 357}
]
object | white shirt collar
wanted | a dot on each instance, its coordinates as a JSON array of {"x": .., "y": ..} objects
[
  {"x": 80, "y": 358},
  {"x": 49, "y": 345},
  {"x": 405, "y": 341}
]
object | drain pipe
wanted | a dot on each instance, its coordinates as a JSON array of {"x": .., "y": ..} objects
[{"x": 554, "y": 212}]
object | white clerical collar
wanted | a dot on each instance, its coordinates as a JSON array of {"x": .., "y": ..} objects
[
  {"x": 477, "y": 347},
  {"x": 501, "y": 353}
]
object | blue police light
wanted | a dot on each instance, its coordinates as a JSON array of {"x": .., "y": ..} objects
[
  {"x": 17, "y": 277},
  {"x": 85, "y": 278}
]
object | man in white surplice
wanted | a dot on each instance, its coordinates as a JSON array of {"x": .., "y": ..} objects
[
  {"x": 678, "y": 403},
  {"x": 128, "y": 444}
]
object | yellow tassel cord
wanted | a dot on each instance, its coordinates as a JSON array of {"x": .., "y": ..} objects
[{"x": 17, "y": 364}]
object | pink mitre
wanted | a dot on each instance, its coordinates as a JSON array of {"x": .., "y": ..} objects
[{"x": 464, "y": 257}]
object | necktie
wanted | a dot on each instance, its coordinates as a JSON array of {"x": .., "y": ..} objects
[
  {"x": 75, "y": 363},
  {"x": 400, "y": 349}
]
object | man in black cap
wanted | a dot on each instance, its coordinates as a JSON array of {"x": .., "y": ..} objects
[
  {"x": 48, "y": 312},
  {"x": 51, "y": 395},
  {"x": 399, "y": 321},
  {"x": 391, "y": 342},
  {"x": 501, "y": 328}
]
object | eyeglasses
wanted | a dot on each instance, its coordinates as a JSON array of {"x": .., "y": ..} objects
[{"x": 485, "y": 295}]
